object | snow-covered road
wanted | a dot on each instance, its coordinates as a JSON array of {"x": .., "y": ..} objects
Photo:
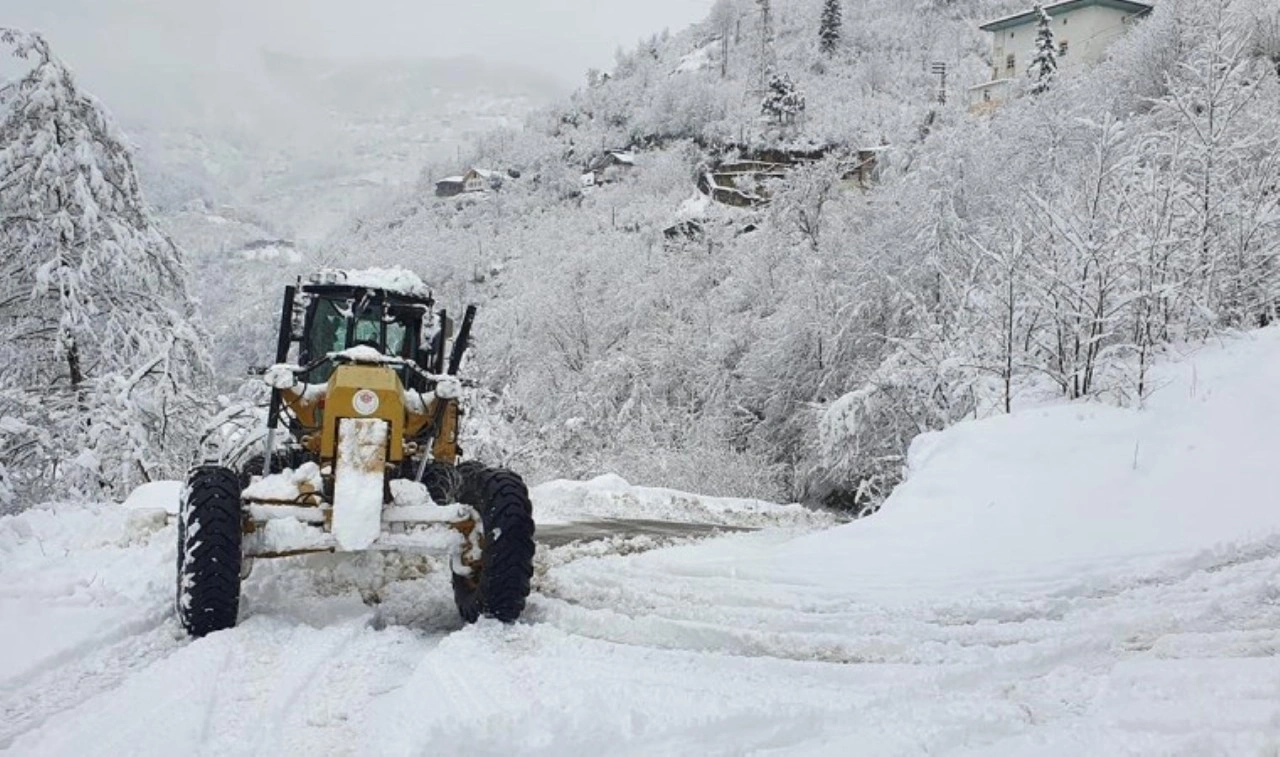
[{"x": 1071, "y": 580}]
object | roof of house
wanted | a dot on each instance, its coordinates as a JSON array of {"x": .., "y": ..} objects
[
  {"x": 483, "y": 173},
  {"x": 1057, "y": 9},
  {"x": 623, "y": 157}
]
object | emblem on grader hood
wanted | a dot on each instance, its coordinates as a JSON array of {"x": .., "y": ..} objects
[
  {"x": 365, "y": 402},
  {"x": 356, "y": 343}
]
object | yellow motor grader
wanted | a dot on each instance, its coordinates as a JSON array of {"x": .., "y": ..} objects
[{"x": 370, "y": 460}]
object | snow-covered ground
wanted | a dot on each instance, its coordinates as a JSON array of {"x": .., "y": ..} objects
[{"x": 1070, "y": 580}]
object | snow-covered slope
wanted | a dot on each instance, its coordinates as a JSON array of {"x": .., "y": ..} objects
[{"x": 1068, "y": 580}]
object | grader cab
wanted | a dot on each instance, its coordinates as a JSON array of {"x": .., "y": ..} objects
[{"x": 369, "y": 458}]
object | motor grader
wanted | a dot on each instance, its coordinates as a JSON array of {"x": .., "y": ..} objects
[{"x": 369, "y": 461}]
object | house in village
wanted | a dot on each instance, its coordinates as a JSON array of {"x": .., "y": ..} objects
[
  {"x": 1083, "y": 30},
  {"x": 748, "y": 182},
  {"x": 474, "y": 180},
  {"x": 607, "y": 166},
  {"x": 741, "y": 183}
]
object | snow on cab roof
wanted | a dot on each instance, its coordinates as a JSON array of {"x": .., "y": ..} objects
[{"x": 396, "y": 279}]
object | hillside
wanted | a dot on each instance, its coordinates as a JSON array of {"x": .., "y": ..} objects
[
  {"x": 793, "y": 349},
  {"x": 1067, "y": 580}
]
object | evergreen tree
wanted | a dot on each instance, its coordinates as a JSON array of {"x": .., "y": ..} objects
[
  {"x": 1044, "y": 63},
  {"x": 783, "y": 101},
  {"x": 829, "y": 29},
  {"x": 99, "y": 361}
]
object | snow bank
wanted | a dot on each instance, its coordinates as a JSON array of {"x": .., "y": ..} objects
[
  {"x": 609, "y": 496},
  {"x": 76, "y": 578},
  {"x": 1074, "y": 495},
  {"x": 155, "y": 495}
]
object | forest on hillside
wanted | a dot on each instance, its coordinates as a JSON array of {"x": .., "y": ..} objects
[{"x": 793, "y": 350}]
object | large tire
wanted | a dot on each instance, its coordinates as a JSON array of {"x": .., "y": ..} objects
[
  {"x": 209, "y": 535},
  {"x": 443, "y": 481},
  {"x": 506, "y": 565}
]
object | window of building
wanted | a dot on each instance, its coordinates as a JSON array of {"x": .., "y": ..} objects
[
  {"x": 1062, "y": 48},
  {"x": 1011, "y": 62}
]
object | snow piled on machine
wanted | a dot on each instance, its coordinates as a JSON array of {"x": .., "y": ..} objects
[{"x": 393, "y": 279}]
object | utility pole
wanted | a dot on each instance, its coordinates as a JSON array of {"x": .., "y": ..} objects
[{"x": 939, "y": 69}]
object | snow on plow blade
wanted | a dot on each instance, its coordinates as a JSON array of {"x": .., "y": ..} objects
[
  {"x": 287, "y": 514},
  {"x": 358, "y": 480},
  {"x": 283, "y": 530}
]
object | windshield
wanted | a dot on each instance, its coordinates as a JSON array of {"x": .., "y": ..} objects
[{"x": 333, "y": 329}]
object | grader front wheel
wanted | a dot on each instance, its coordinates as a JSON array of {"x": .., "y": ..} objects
[
  {"x": 209, "y": 535},
  {"x": 506, "y": 566}
]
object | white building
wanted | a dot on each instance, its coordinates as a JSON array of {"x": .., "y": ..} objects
[{"x": 1083, "y": 29}]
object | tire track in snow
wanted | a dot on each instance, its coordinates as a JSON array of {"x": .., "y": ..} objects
[
  {"x": 329, "y": 717},
  {"x": 268, "y": 667},
  {"x": 638, "y": 605},
  {"x": 79, "y": 673}
]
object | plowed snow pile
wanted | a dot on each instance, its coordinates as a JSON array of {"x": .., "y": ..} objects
[
  {"x": 1070, "y": 580},
  {"x": 610, "y": 496}
]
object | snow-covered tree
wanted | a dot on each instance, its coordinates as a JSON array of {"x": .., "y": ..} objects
[
  {"x": 829, "y": 28},
  {"x": 1044, "y": 62},
  {"x": 99, "y": 360},
  {"x": 783, "y": 102},
  {"x": 726, "y": 20}
]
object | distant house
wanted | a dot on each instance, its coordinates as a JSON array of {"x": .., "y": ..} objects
[
  {"x": 742, "y": 183},
  {"x": 1083, "y": 30},
  {"x": 474, "y": 180},
  {"x": 607, "y": 166},
  {"x": 750, "y": 182}
]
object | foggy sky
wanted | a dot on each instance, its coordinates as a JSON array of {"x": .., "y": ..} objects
[{"x": 561, "y": 38}]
